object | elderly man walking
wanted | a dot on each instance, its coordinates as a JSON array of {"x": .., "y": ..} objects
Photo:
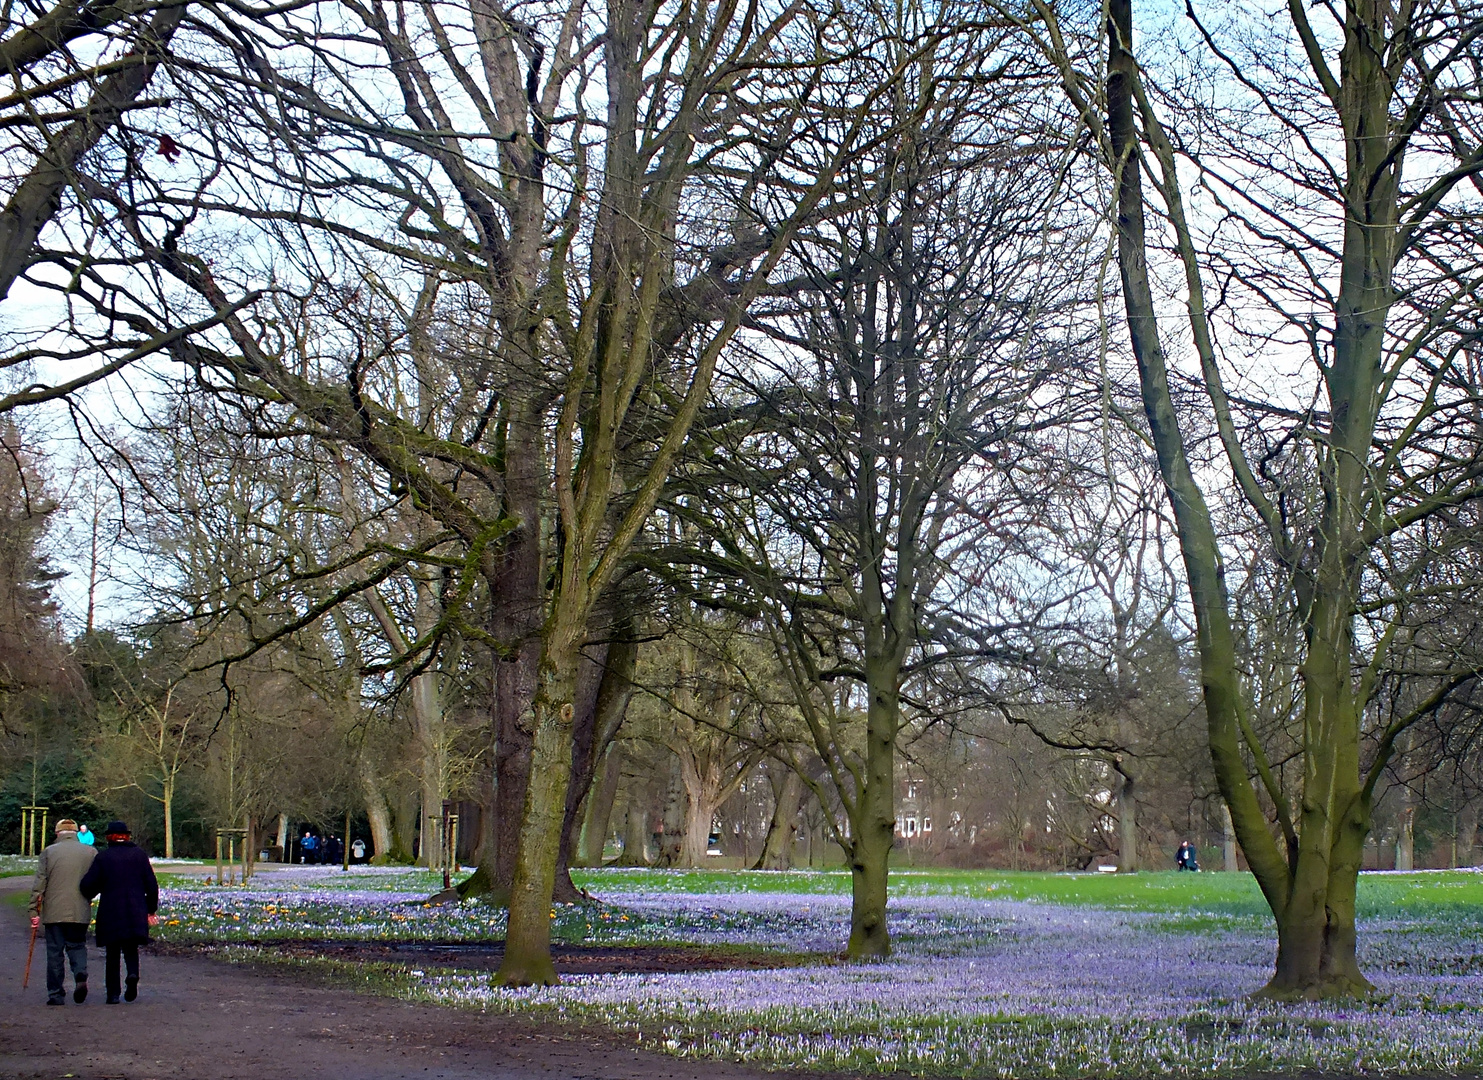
[
  {"x": 128, "y": 897},
  {"x": 58, "y": 904}
]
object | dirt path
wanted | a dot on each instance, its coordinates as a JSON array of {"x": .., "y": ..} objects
[{"x": 200, "y": 1018}]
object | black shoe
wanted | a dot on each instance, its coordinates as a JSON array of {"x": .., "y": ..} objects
[
  {"x": 80, "y": 991},
  {"x": 56, "y": 1001},
  {"x": 112, "y": 999},
  {"x": 131, "y": 989}
]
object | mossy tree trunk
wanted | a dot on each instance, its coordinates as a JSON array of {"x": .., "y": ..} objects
[
  {"x": 602, "y": 705},
  {"x": 1314, "y": 910},
  {"x": 527, "y": 960},
  {"x": 712, "y": 761},
  {"x": 670, "y": 845}
]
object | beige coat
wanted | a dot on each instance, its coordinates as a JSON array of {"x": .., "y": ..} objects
[{"x": 55, "y": 893}]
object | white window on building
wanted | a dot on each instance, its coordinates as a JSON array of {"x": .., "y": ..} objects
[
  {"x": 926, "y": 824},
  {"x": 909, "y": 827}
]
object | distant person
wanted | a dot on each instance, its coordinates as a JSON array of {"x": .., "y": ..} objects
[
  {"x": 1187, "y": 858},
  {"x": 358, "y": 851},
  {"x": 58, "y": 903},
  {"x": 308, "y": 848},
  {"x": 85, "y": 836},
  {"x": 334, "y": 851},
  {"x": 128, "y": 897}
]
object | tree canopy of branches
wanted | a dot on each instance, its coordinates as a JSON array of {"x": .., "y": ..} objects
[
  {"x": 881, "y": 431},
  {"x": 555, "y": 181}
]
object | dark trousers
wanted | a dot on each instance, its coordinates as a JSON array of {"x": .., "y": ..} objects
[
  {"x": 67, "y": 939},
  {"x": 130, "y": 953}
]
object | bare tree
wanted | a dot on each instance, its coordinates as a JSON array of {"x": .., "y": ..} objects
[
  {"x": 883, "y": 432},
  {"x": 1343, "y": 249}
]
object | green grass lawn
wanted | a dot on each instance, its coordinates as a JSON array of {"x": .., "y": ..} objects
[{"x": 1169, "y": 892}]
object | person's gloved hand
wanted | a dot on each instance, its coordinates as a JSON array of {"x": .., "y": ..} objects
[{"x": 35, "y": 921}]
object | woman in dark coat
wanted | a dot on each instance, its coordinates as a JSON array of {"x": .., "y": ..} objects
[{"x": 129, "y": 895}]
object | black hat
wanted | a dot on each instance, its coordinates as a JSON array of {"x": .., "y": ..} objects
[{"x": 116, "y": 828}]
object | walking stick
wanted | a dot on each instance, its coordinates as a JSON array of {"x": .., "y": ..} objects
[{"x": 26, "y": 979}]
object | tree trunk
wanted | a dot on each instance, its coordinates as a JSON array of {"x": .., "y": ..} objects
[
  {"x": 1467, "y": 835},
  {"x": 671, "y": 851},
  {"x": 870, "y": 854},
  {"x": 527, "y": 960},
  {"x": 432, "y": 739},
  {"x": 377, "y": 813},
  {"x": 1127, "y": 825},
  {"x": 610, "y": 358},
  {"x": 167, "y": 796},
  {"x": 1315, "y": 930},
  {"x": 427, "y": 711},
  {"x": 777, "y": 849},
  {"x": 600, "y": 810},
  {"x": 700, "y": 815},
  {"x": 514, "y": 716},
  {"x": 603, "y": 705},
  {"x": 516, "y": 611},
  {"x": 380, "y": 819},
  {"x": 405, "y": 824},
  {"x": 1231, "y": 864},
  {"x": 1405, "y": 840},
  {"x": 703, "y": 794},
  {"x": 874, "y": 822},
  {"x": 636, "y": 830},
  {"x": 1315, "y": 926},
  {"x": 482, "y": 837},
  {"x": 583, "y": 766},
  {"x": 282, "y": 837}
]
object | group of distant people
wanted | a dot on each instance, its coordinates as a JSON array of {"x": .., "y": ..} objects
[
  {"x": 69, "y": 874},
  {"x": 327, "y": 850}
]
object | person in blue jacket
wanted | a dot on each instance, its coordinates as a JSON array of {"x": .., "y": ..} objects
[
  {"x": 128, "y": 897},
  {"x": 85, "y": 836}
]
